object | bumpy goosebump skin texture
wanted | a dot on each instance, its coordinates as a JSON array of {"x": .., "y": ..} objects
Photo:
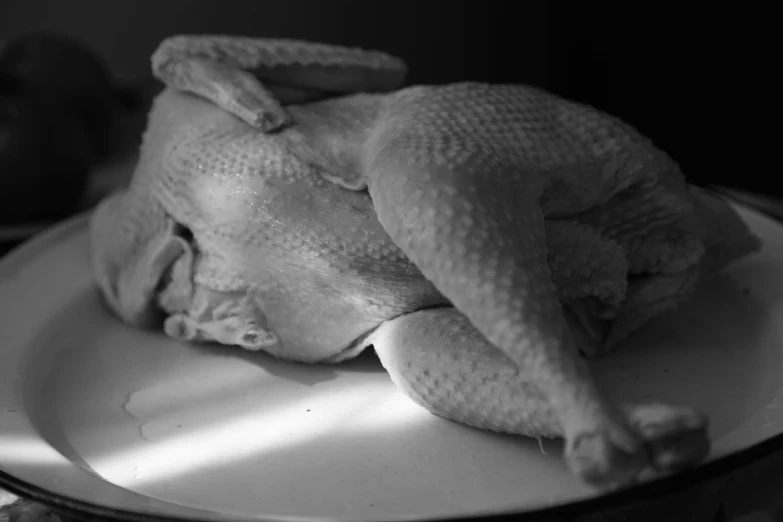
[
  {"x": 218, "y": 68},
  {"x": 529, "y": 227}
]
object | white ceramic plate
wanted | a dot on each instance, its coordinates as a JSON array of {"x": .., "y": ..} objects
[{"x": 104, "y": 419}]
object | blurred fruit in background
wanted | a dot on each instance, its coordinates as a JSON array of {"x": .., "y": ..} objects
[
  {"x": 45, "y": 158},
  {"x": 57, "y": 67},
  {"x": 59, "y": 109}
]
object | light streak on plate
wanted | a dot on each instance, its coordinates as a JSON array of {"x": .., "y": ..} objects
[
  {"x": 254, "y": 432},
  {"x": 26, "y": 450},
  {"x": 392, "y": 410}
]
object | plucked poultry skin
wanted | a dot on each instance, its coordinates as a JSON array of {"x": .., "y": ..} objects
[{"x": 482, "y": 238}]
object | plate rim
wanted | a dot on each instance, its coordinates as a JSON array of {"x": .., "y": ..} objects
[
  {"x": 19, "y": 232},
  {"x": 643, "y": 493}
]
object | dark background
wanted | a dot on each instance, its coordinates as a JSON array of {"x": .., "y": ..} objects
[{"x": 692, "y": 78}]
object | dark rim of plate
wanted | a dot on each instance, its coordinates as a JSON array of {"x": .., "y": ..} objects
[{"x": 617, "y": 500}]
